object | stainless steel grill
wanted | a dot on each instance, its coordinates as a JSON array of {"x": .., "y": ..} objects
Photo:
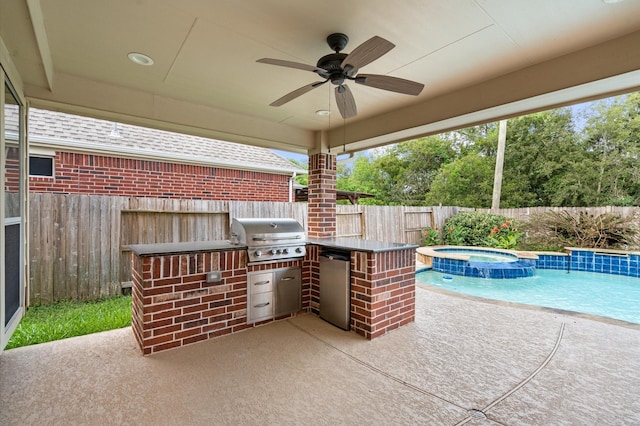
[{"x": 269, "y": 239}]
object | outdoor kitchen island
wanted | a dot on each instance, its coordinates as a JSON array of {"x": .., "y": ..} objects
[
  {"x": 382, "y": 282},
  {"x": 174, "y": 304}
]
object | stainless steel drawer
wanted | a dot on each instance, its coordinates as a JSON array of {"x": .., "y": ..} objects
[
  {"x": 260, "y": 306},
  {"x": 260, "y": 283}
]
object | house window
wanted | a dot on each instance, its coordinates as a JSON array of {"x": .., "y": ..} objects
[{"x": 40, "y": 166}]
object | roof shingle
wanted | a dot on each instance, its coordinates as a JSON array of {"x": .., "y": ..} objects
[{"x": 56, "y": 129}]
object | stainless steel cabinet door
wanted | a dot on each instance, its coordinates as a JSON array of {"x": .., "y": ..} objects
[
  {"x": 288, "y": 291},
  {"x": 335, "y": 292}
]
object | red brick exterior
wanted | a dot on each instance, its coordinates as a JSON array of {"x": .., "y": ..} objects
[
  {"x": 174, "y": 306},
  {"x": 322, "y": 196},
  {"x": 311, "y": 276},
  {"x": 12, "y": 170},
  {"x": 100, "y": 175},
  {"x": 383, "y": 295}
]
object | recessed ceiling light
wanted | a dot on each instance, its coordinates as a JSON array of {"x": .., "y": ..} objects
[
  {"x": 322, "y": 112},
  {"x": 140, "y": 59}
]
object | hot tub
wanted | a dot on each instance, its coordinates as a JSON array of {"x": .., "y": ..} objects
[{"x": 481, "y": 262}]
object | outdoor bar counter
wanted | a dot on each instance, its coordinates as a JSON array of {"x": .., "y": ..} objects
[
  {"x": 176, "y": 301},
  {"x": 177, "y": 248},
  {"x": 355, "y": 244},
  {"x": 382, "y": 282}
]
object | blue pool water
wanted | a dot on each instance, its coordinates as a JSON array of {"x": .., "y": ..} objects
[{"x": 612, "y": 296}]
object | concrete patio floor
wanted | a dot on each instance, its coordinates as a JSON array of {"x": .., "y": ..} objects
[{"x": 462, "y": 361}]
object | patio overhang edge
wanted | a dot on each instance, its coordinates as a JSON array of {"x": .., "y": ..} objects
[
  {"x": 100, "y": 100},
  {"x": 592, "y": 73}
]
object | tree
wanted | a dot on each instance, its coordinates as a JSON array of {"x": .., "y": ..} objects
[
  {"x": 405, "y": 171},
  {"x": 467, "y": 182},
  {"x": 360, "y": 176},
  {"x": 541, "y": 148},
  {"x": 547, "y": 162},
  {"x": 302, "y": 179},
  {"x": 612, "y": 143}
]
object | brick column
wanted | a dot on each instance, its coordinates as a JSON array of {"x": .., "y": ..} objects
[{"x": 322, "y": 196}]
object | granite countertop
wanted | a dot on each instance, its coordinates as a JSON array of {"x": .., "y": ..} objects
[
  {"x": 226, "y": 245},
  {"x": 360, "y": 245},
  {"x": 190, "y": 247}
]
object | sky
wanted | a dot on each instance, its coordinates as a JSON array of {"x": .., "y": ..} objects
[{"x": 303, "y": 158}]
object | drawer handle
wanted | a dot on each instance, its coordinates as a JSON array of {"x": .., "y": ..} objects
[
  {"x": 287, "y": 278},
  {"x": 262, "y": 282},
  {"x": 262, "y": 305}
]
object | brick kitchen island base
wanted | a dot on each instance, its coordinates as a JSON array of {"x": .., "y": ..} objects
[
  {"x": 174, "y": 305},
  {"x": 383, "y": 295}
]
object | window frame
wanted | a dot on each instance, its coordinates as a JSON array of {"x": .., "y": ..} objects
[{"x": 41, "y": 156}]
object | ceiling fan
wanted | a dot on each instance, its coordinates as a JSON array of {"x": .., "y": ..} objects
[{"x": 339, "y": 67}]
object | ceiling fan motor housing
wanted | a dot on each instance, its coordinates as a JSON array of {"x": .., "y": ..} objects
[
  {"x": 332, "y": 64},
  {"x": 337, "y": 41}
]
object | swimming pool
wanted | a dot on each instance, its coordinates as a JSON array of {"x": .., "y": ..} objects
[{"x": 611, "y": 296}]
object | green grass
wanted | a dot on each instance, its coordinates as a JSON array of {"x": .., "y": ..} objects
[{"x": 67, "y": 319}]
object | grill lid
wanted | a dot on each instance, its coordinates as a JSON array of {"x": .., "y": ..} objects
[
  {"x": 268, "y": 225},
  {"x": 254, "y": 232},
  {"x": 269, "y": 239}
]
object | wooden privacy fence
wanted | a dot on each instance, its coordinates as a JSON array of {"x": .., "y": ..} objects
[{"x": 78, "y": 242}]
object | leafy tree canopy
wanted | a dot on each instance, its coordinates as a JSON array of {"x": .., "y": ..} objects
[{"x": 549, "y": 161}]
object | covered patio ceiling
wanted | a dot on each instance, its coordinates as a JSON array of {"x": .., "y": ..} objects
[{"x": 480, "y": 60}]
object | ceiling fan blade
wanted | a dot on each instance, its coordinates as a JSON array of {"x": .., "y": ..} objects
[
  {"x": 298, "y": 92},
  {"x": 366, "y": 53},
  {"x": 393, "y": 84},
  {"x": 346, "y": 102},
  {"x": 288, "y": 64}
]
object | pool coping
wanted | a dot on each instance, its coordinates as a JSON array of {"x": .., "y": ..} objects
[
  {"x": 432, "y": 251},
  {"x": 602, "y": 251}
]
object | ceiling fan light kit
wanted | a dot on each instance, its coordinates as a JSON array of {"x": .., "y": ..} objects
[{"x": 338, "y": 67}]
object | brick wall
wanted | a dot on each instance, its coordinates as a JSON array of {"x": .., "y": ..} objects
[
  {"x": 322, "y": 196},
  {"x": 12, "y": 170},
  {"x": 174, "y": 306},
  {"x": 311, "y": 277},
  {"x": 93, "y": 174},
  {"x": 382, "y": 291}
]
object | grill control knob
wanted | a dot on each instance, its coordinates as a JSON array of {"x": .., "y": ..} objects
[
  {"x": 298, "y": 250},
  {"x": 273, "y": 251},
  {"x": 258, "y": 253},
  {"x": 285, "y": 251}
]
